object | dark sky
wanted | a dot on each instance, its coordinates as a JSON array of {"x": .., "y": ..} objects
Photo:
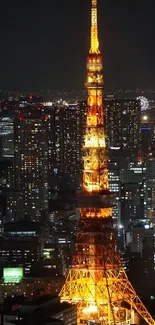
[{"x": 44, "y": 43}]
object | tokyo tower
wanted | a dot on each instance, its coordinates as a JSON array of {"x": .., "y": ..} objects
[{"x": 97, "y": 282}]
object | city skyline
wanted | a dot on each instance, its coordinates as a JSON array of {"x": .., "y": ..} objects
[
  {"x": 77, "y": 174},
  {"x": 42, "y": 43}
]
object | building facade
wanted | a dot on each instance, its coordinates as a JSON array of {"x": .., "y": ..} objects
[
  {"x": 123, "y": 130},
  {"x": 31, "y": 159},
  {"x": 65, "y": 145}
]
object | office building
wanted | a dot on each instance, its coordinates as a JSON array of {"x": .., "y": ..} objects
[
  {"x": 6, "y": 137},
  {"x": 13, "y": 282},
  {"x": 133, "y": 194},
  {"x": 142, "y": 249},
  {"x": 31, "y": 159},
  {"x": 122, "y": 126},
  {"x": 21, "y": 245},
  {"x": 65, "y": 145},
  {"x": 7, "y": 113},
  {"x": 14, "y": 207},
  {"x": 64, "y": 222},
  {"x": 150, "y": 187},
  {"x": 146, "y": 134},
  {"x": 6, "y": 188},
  {"x": 114, "y": 186}
]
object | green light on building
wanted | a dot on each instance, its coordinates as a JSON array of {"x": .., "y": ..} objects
[{"x": 12, "y": 274}]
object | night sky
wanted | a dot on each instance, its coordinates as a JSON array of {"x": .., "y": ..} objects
[{"x": 44, "y": 43}]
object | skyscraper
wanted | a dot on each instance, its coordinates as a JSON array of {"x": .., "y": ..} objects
[
  {"x": 150, "y": 188},
  {"x": 6, "y": 137},
  {"x": 7, "y": 113},
  {"x": 31, "y": 159},
  {"x": 123, "y": 126},
  {"x": 114, "y": 186},
  {"x": 65, "y": 142},
  {"x": 133, "y": 194},
  {"x": 147, "y": 134},
  {"x": 123, "y": 131}
]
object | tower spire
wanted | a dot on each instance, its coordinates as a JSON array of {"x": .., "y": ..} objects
[{"x": 94, "y": 29}]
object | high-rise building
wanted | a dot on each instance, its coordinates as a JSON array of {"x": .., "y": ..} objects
[
  {"x": 133, "y": 194},
  {"x": 6, "y": 173},
  {"x": 31, "y": 159},
  {"x": 65, "y": 143},
  {"x": 7, "y": 113},
  {"x": 6, "y": 137},
  {"x": 63, "y": 222},
  {"x": 6, "y": 187},
  {"x": 21, "y": 244},
  {"x": 52, "y": 259},
  {"x": 138, "y": 237},
  {"x": 150, "y": 188},
  {"x": 147, "y": 129},
  {"x": 124, "y": 131},
  {"x": 123, "y": 118},
  {"x": 142, "y": 243},
  {"x": 132, "y": 208},
  {"x": 14, "y": 210},
  {"x": 72, "y": 146},
  {"x": 146, "y": 134},
  {"x": 115, "y": 186}
]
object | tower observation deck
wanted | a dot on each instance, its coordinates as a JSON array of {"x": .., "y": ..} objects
[{"x": 96, "y": 281}]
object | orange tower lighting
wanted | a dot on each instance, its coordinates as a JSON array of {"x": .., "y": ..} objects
[{"x": 97, "y": 282}]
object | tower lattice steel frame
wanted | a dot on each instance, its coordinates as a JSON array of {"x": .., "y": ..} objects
[{"x": 97, "y": 282}]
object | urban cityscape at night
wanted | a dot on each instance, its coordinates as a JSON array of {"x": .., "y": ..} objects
[{"x": 77, "y": 163}]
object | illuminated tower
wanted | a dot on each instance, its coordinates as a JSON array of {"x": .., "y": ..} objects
[{"x": 97, "y": 282}]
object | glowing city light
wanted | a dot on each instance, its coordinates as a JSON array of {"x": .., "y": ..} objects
[
  {"x": 12, "y": 275},
  {"x": 145, "y": 117},
  {"x": 90, "y": 309}
]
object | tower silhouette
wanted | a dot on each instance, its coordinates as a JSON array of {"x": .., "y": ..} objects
[{"x": 97, "y": 282}]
